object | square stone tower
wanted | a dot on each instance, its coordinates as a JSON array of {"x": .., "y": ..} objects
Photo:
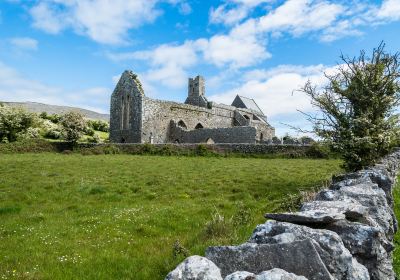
[{"x": 196, "y": 92}]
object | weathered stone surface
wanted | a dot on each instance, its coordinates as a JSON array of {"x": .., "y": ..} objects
[
  {"x": 241, "y": 275},
  {"x": 308, "y": 217},
  {"x": 278, "y": 274},
  {"x": 195, "y": 268},
  {"x": 370, "y": 196},
  {"x": 368, "y": 245},
  {"x": 299, "y": 257},
  {"x": 352, "y": 210},
  {"x": 273, "y": 274},
  {"x": 328, "y": 244}
]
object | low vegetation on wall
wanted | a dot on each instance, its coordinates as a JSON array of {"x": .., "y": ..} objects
[{"x": 316, "y": 150}]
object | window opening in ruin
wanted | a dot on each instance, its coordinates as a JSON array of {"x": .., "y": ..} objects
[
  {"x": 210, "y": 141},
  {"x": 199, "y": 126},
  {"x": 182, "y": 124},
  {"x": 261, "y": 137},
  {"x": 122, "y": 113},
  {"x": 123, "y": 140},
  {"x": 246, "y": 116},
  {"x": 128, "y": 112}
]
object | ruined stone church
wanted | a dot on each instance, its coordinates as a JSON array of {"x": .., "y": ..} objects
[{"x": 136, "y": 118}]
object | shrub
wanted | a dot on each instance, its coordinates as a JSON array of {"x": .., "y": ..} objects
[
  {"x": 357, "y": 107},
  {"x": 30, "y": 133},
  {"x": 15, "y": 122},
  {"x": 94, "y": 139},
  {"x": 73, "y": 126},
  {"x": 318, "y": 150},
  {"x": 50, "y": 130},
  {"x": 54, "y": 118},
  {"x": 219, "y": 226},
  {"x": 111, "y": 150},
  {"x": 99, "y": 125}
]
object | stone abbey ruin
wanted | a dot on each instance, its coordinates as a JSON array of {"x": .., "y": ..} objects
[{"x": 135, "y": 118}]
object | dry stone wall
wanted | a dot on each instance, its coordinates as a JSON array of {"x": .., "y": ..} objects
[{"x": 345, "y": 233}]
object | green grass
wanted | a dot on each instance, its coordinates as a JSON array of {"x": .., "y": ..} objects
[
  {"x": 396, "y": 254},
  {"x": 135, "y": 217}
]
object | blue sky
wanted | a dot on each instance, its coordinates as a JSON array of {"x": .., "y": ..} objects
[{"x": 71, "y": 52}]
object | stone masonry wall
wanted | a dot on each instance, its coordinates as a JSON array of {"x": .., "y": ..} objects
[
  {"x": 130, "y": 94},
  {"x": 238, "y": 134},
  {"x": 346, "y": 233},
  {"x": 135, "y": 118},
  {"x": 157, "y": 115}
]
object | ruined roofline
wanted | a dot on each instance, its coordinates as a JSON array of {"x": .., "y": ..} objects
[
  {"x": 129, "y": 74},
  {"x": 214, "y": 106},
  {"x": 255, "y": 103}
]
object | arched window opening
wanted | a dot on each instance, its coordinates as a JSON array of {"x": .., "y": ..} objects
[
  {"x": 122, "y": 112},
  {"x": 261, "y": 137},
  {"x": 210, "y": 141},
  {"x": 182, "y": 124},
  {"x": 199, "y": 126},
  {"x": 176, "y": 141},
  {"x": 123, "y": 140},
  {"x": 127, "y": 113}
]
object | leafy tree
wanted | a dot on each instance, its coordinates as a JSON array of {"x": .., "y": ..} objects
[
  {"x": 99, "y": 125},
  {"x": 287, "y": 139},
  {"x": 357, "y": 107},
  {"x": 16, "y": 123},
  {"x": 54, "y": 118},
  {"x": 73, "y": 126},
  {"x": 276, "y": 140},
  {"x": 306, "y": 140}
]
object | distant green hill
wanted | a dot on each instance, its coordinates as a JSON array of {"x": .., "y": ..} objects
[{"x": 35, "y": 107}]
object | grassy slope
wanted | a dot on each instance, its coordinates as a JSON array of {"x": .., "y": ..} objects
[{"x": 117, "y": 217}]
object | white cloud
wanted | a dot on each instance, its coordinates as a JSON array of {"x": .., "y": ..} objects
[
  {"x": 185, "y": 8},
  {"x": 329, "y": 20},
  {"x": 103, "y": 21},
  {"x": 222, "y": 50},
  {"x": 24, "y": 43},
  {"x": 233, "y": 11},
  {"x": 390, "y": 10},
  {"x": 275, "y": 90},
  {"x": 47, "y": 19},
  {"x": 15, "y": 87},
  {"x": 168, "y": 63},
  {"x": 300, "y": 16}
]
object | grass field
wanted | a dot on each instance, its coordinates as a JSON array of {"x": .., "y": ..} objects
[
  {"x": 396, "y": 255},
  {"x": 135, "y": 217}
]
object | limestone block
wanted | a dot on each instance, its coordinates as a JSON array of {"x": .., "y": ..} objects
[
  {"x": 195, "y": 268},
  {"x": 299, "y": 257}
]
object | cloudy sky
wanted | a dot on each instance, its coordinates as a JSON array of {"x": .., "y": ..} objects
[{"x": 71, "y": 52}]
